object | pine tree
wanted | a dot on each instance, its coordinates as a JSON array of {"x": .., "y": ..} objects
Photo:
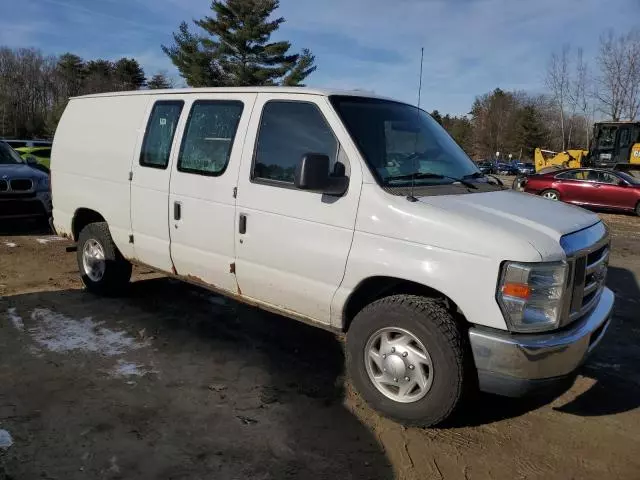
[
  {"x": 159, "y": 81},
  {"x": 195, "y": 65},
  {"x": 99, "y": 76},
  {"x": 70, "y": 73},
  {"x": 530, "y": 131},
  {"x": 236, "y": 50},
  {"x": 128, "y": 75}
]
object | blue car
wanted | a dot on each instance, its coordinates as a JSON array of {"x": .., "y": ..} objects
[{"x": 24, "y": 188}]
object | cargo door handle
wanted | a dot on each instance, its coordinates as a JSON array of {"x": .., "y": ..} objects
[
  {"x": 242, "y": 224},
  {"x": 177, "y": 210}
]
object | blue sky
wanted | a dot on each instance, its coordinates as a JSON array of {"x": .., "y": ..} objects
[{"x": 471, "y": 46}]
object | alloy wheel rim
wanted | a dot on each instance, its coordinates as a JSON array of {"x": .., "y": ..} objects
[{"x": 93, "y": 260}]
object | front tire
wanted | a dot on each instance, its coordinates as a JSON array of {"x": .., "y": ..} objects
[
  {"x": 103, "y": 268},
  {"x": 406, "y": 357}
]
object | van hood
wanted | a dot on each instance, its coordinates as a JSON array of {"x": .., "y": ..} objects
[{"x": 539, "y": 221}]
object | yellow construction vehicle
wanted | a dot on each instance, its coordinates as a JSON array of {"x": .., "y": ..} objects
[
  {"x": 613, "y": 144},
  {"x": 567, "y": 159}
]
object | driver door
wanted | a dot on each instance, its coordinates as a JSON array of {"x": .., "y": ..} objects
[{"x": 292, "y": 245}]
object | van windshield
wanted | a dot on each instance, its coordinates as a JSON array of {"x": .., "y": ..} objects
[
  {"x": 8, "y": 156},
  {"x": 402, "y": 144}
]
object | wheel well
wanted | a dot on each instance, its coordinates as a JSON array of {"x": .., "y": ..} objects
[
  {"x": 82, "y": 218},
  {"x": 374, "y": 288}
]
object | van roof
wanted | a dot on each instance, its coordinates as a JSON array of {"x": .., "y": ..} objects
[{"x": 299, "y": 90}]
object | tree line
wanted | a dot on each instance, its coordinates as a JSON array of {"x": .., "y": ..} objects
[{"x": 34, "y": 88}]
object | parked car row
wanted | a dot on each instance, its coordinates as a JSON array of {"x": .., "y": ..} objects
[{"x": 504, "y": 168}]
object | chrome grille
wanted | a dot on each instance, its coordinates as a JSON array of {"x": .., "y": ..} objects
[
  {"x": 588, "y": 257},
  {"x": 4, "y": 186},
  {"x": 21, "y": 185}
]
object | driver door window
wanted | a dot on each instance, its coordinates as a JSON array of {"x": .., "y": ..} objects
[{"x": 289, "y": 130}]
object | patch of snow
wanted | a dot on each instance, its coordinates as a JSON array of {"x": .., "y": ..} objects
[
  {"x": 5, "y": 440},
  {"x": 11, "y": 244},
  {"x": 44, "y": 241},
  {"x": 15, "y": 319},
  {"x": 607, "y": 366},
  {"x": 59, "y": 333},
  {"x": 128, "y": 369}
]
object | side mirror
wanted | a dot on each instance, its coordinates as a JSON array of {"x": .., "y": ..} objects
[
  {"x": 31, "y": 160},
  {"x": 312, "y": 173}
]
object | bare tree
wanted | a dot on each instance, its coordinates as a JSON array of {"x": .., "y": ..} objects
[
  {"x": 559, "y": 83},
  {"x": 618, "y": 89},
  {"x": 578, "y": 96}
]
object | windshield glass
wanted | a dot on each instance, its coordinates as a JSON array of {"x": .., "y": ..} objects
[
  {"x": 398, "y": 140},
  {"x": 8, "y": 156}
]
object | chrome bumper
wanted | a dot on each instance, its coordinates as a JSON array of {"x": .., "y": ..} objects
[{"x": 514, "y": 364}]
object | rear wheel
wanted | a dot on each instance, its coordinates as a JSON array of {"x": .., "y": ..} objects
[
  {"x": 551, "y": 194},
  {"x": 103, "y": 268},
  {"x": 638, "y": 209},
  {"x": 405, "y": 356}
]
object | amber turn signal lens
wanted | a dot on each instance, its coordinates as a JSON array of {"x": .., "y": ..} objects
[{"x": 518, "y": 290}]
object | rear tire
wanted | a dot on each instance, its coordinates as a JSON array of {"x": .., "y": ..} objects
[
  {"x": 638, "y": 209},
  {"x": 551, "y": 194},
  {"x": 103, "y": 268},
  {"x": 433, "y": 359}
]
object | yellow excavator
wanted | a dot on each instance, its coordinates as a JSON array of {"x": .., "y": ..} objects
[{"x": 614, "y": 144}]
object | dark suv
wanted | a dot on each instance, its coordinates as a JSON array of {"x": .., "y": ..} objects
[{"x": 24, "y": 190}]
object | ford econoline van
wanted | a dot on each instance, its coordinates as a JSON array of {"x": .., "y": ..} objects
[{"x": 345, "y": 210}]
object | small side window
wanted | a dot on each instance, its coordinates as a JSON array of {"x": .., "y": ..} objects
[
  {"x": 288, "y": 130},
  {"x": 208, "y": 138},
  {"x": 156, "y": 147},
  {"x": 625, "y": 136}
]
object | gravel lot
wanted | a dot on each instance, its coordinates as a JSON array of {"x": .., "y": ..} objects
[{"x": 172, "y": 382}]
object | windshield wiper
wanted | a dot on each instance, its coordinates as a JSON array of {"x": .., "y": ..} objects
[{"x": 418, "y": 176}]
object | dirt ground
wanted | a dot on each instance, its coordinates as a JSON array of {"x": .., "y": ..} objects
[{"x": 172, "y": 382}]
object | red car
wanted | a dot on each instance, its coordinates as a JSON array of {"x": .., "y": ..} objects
[{"x": 588, "y": 187}]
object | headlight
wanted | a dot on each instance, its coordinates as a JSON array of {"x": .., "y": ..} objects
[
  {"x": 43, "y": 183},
  {"x": 531, "y": 295}
]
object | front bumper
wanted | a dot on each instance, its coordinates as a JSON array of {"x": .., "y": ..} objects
[
  {"x": 36, "y": 204},
  {"x": 519, "y": 364}
]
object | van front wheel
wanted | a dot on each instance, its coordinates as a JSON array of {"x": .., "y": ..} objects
[
  {"x": 103, "y": 268},
  {"x": 406, "y": 357}
]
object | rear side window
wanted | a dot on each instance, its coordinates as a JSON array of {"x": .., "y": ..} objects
[
  {"x": 208, "y": 138},
  {"x": 577, "y": 175},
  {"x": 158, "y": 138},
  {"x": 289, "y": 130}
]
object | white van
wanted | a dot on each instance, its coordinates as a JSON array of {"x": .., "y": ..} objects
[{"x": 345, "y": 210}]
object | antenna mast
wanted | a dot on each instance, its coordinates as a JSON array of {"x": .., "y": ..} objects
[{"x": 411, "y": 198}]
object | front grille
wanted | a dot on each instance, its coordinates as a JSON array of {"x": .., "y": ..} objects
[
  {"x": 21, "y": 184},
  {"x": 4, "y": 186},
  {"x": 588, "y": 272}
]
